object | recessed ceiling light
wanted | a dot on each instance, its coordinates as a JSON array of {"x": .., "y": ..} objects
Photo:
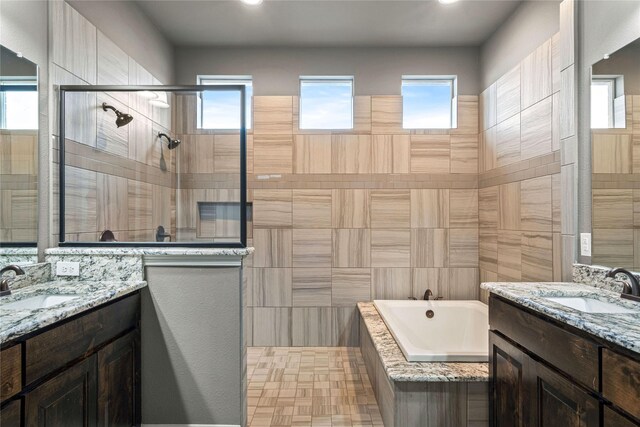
[
  {"x": 447, "y": 1},
  {"x": 252, "y": 2}
]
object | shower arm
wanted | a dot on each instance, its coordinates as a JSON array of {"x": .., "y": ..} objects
[{"x": 106, "y": 107}]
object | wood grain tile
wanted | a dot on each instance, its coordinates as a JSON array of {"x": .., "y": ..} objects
[
  {"x": 112, "y": 63},
  {"x": 112, "y": 204},
  {"x": 536, "y": 83},
  {"x": 463, "y": 208},
  {"x": 138, "y": 75},
  {"x": 429, "y": 247},
  {"x": 509, "y": 206},
  {"x": 390, "y": 208},
  {"x": 567, "y": 103},
  {"x": 272, "y": 154},
  {"x": 537, "y": 257},
  {"x": 556, "y": 200},
  {"x": 351, "y": 154},
  {"x": 464, "y": 154},
  {"x": 312, "y": 208},
  {"x": 613, "y": 247},
  {"x": 271, "y": 326},
  {"x": 508, "y": 141},
  {"x": 362, "y": 114},
  {"x": 567, "y": 34},
  {"x": 488, "y": 207},
  {"x": 312, "y": 247},
  {"x": 386, "y": 115},
  {"x": 489, "y": 149},
  {"x": 430, "y": 153},
  {"x": 74, "y": 41},
  {"x": 272, "y": 115},
  {"x": 273, "y": 247},
  {"x": 227, "y": 154},
  {"x": 311, "y": 287},
  {"x": 536, "y": 204},
  {"x": 464, "y": 284},
  {"x": 555, "y": 122},
  {"x": 463, "y": 247},
  {"x": 556, "y": 65},
  {"x": 272, "y": 287},
  {"x": 536, "y": 134},
  {"x": 467, "y": 116},
  {"x": 390, "y": 153},
  {"x": 390, "y": 283},
  {"x": 272, "y": 208},
  {"x": 311, "y": 326},
  {"x": 140, "y": 205},
  {"x": 391, "y": 248},
  {"x": 312, "y": 154},
  {"x": 80, "y": 200},
  {"x": 350, "y": 209},
  {"x": 350, "y": 286},
  {"x": 436, "y": 279},
  {"x": 509, "y": 255},
  {"x": 612, "y": 209},
  {"x": 430, "y": 208},
  {"x": 346, "y": 330},
  {"x": 488, "y": 249},
  {"x": 488, "y": 107},
  {"x": 611, "y": 153},
  {"x": 351, "y": 247},
  {"x": 508, "y": 94}
]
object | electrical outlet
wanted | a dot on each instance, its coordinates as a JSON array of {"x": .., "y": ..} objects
[
  {"x": 67, "y": 268},
  {"x": 585, "y": 244}
]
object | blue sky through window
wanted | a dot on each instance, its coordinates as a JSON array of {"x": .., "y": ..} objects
[
  {"x": 427, "y": 104},
  {"x": 221, "y": 109},
  {"x": 326, "y": 104}
]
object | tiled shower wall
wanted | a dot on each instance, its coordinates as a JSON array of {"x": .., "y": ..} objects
[
  {"x": 18, "y": 185},
  {"x": 113, "y": 180},
  {"x": 616, "y": 191},
  {"x": 342, "y": 217}
]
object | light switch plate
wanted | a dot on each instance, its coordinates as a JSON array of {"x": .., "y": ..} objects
[
  {"x": 585, "y": 244},
  {"x": 68, "y": 268}
]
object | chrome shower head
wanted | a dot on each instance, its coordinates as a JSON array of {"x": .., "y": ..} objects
[
  {"x": 122, "y": 119},
  {"x": 171, "y": 143}
]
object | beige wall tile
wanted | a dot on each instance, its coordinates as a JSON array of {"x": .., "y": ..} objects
[
  {"x": 111, "y": 138},
  {"x": 613, "y": 247},
  {"x": 535, "y": 204},
  {"x": 430, "y": 208},
  {"x": 612, "y": 209},
  {"x": 464, "y": 284},
  {"x": 311, "y": 287},
  {"x": 386, "y": 115},
  {"x": 429, "y": 247},
  {"x": 488, "y": 249},
  {"x": 436, "y": 279},
  {"x": 508, "y": 141},
  {"x": 509, "y": 256},
  {"x": 467, "y": 116},
  {"x": 430, "y": 153},
  {"x": 272, "y": 208},
  {"x": 272, "y": 154},
  {"x": 463, "y": 247},
  {"x": 351, "y": 154},
  {"x": 346, "y": 326},
  {"x": 227, "y": 154},
  {"x": 273, "y": 247},
  {"x": 489, "y": 149},
  {"x": 351, "y": 247},
  {"x": 362, "y": 114},
  {"x": 391, "y": 283},
  {"x": 555, "y": 122},
  {"x": 350, "y": 286},
  {"x": 537, "y": 257},
  {"x": 611, "y": 153},
  {"x": 536, "y": 135},
  {"x": 140, "y": 206},
  {"x": 312, "y": 154},
  {"x": 463, "y": 208},
  {"x": 80, "y": 200},
  {"x": 556, "y": 200},
  {"x": 556, "y": 65},
  {"x": 311, "y": 326},
  {"x": 272, "y": 115},
  {"x": 390, "y": 208},
  {"x": 350, "y": 209},
  {"x": 567, "y": 102},
  {"x": 488, "y": 107},
  {"x": 508, "y": 94},
  {"x": 312, "y": 208},
  {"x": 112, "y": 206},
  {"x": 272, "y": 326},
  {"x": 488, "y": 207},
  {"x": 509, "y": 206},
  {"x": 390, "y": 248},
  {"x": 312, "y": 247},
  {"x": 73, "y": 42},
  {"x": 536, "y": 81},
  {"x": 464, "y": 154},
  {"x": 112, "y": 64},
  {"x": 390, "y": 153},
  {"x": 272, "y": 287}
]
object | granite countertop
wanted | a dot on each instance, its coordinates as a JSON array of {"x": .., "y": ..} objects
[
  {"x": 16, "y": 323},
  {"x": 141, "y": 251},
  {"x": 397, "y": 367},
  {"x": 620, "y": 329}
]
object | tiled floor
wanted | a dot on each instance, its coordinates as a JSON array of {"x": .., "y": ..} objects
[{"x": 309, "y": 386}]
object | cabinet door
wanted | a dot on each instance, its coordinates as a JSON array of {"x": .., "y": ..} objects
[
  {"x": 614, "y": 419},
  {"x": 511, "y": 400},
  {"x": 118, "y": 382},
  {"x": 68, "y": 399},
  {"x": 10, "y": 414},
  {"x": 561, "y": 403}
]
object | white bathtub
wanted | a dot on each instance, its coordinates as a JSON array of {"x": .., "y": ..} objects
[{"x": 457, "y": 332}]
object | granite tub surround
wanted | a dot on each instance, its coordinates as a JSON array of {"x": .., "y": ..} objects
[
  {"x": 397, "y": 367},
  {"x": 595, "y": 275},
  {"x": 19, "y": 256},
  {"x": 17, "y": 323},
  {"x": 622, "y": 329}
]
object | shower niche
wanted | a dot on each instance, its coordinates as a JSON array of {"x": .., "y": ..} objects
[{"x": 133, "y": 160}]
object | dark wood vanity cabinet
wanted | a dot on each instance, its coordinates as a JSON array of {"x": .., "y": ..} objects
[
  {"x": 527, "y": 390},
  {"x": 93, "y": 374}
]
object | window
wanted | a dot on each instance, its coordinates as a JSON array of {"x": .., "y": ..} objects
[
  {"x": 19, "y": 102},
  {"x": 326, "y": 102},
  {"x": 602, "y": 101},
  {"x": 429, "y": 102},
  {"x": 221, "y": 110}
]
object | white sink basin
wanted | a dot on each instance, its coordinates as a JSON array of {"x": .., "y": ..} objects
[
  {"x": 37, "y": 302},
  {"x": 590, "y": 305}
]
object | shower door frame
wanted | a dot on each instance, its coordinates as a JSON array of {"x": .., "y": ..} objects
[{"x": 63, "y": 89}]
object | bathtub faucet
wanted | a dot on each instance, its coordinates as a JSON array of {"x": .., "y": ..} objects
[{"x": 428, "y": 295}]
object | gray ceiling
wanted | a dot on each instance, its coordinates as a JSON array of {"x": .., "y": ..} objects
[{"x": 328, "y": 23}]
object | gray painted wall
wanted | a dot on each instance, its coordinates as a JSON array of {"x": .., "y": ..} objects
[
  {"x": 604, "y": 26},
  {"x": 377, "y": 71},
  {"x": 128, "y": 27},
  {"x": 625, "y": 62},
  {"x": 528, "y": 27}
]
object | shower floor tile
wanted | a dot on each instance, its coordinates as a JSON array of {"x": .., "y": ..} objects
[{"x": 309, "y": 386}]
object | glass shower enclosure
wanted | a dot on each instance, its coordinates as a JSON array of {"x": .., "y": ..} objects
[{"x": 138, "y": 168}]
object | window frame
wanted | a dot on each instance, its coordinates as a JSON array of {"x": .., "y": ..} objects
[
  {"x": 452, "y": 82},
  {"x": 222, "y": 80},
  {"x": 324, "y": 79},
  {"x": 610, "y": 82},
  {"x": 18, "y": 84}
]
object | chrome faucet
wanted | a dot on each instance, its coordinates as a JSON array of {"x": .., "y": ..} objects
[
  {"x": 631, "y": 288},
  {"x": 4, "y": 283}
]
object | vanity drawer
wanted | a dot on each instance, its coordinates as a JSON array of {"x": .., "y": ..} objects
[
  {"x": 58, "y": 346},
  {"x": 621, "y": 381},
  {"x": 568, "y": 352},
  {"x": 11, "y": 371}
]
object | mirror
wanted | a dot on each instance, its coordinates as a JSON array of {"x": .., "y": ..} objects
[
  {"x": 18, "y": 152},
  {"x": 615, "y": 154}
]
